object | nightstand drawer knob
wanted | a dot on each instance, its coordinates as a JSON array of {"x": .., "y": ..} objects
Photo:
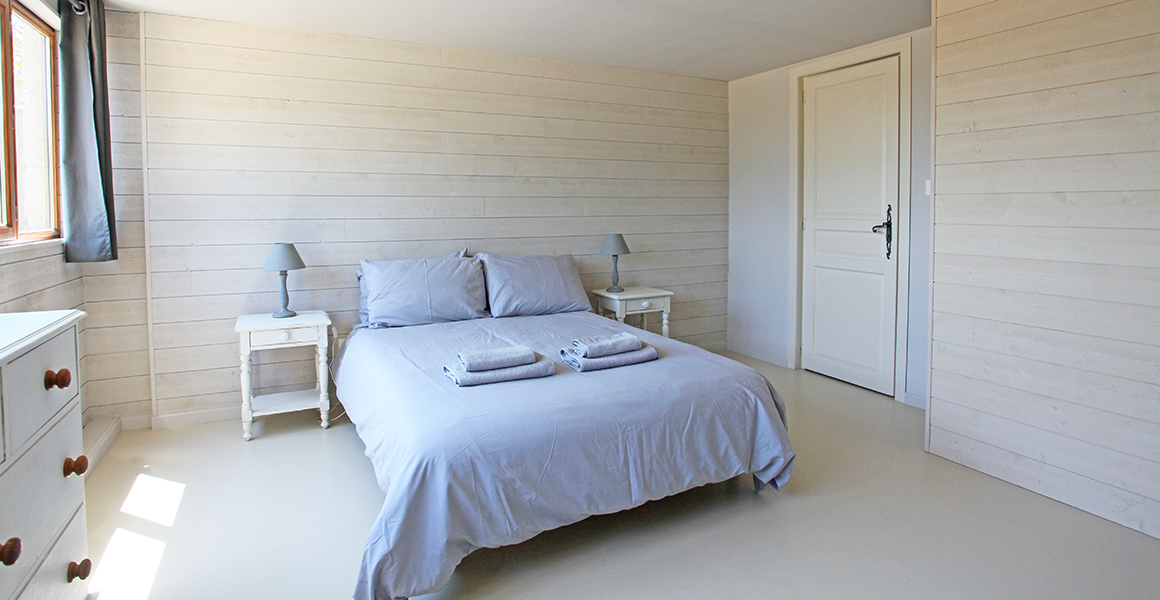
[
  {"x": 285, "y": 336},
  {"x": 646, "y": 304},
  {"x": 10, "y": 552},
  {"x": 59, "y": 379},
  {"x": 78, "y": 466},
  {"x": 80, "y": 570}
]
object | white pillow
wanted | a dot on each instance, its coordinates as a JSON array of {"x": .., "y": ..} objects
[{"x": 533, "y": 285}]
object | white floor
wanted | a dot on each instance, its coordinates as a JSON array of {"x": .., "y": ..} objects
[{"x": 867, "y": 514}]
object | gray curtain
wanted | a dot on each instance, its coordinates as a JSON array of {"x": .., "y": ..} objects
[{"x": 86, "y": 178}]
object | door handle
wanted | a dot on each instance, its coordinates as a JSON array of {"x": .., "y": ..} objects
[{"x": 889, "y": 227}]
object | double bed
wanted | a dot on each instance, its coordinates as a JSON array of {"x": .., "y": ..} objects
[{"x": 492, "y": 465}]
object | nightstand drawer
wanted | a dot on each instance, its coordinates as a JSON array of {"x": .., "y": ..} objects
[
  {"x": 277, "y": 337},
  {"x": 644, "y": 304},
  {"x": 27, "y": 404},
  {"x": 36, "y": 498}
]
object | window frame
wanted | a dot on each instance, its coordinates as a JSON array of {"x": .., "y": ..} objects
[{"x": 10, "y": 229}]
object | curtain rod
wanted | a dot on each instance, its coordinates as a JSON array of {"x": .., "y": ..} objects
[{"x": 78, "y": 6}]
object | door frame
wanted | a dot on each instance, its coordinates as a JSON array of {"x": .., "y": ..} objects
[{"x": 899, "y": 46}]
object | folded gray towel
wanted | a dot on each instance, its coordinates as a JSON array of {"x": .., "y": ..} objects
[
  {"x": 582, "y": 364},
  {"x": 541, "y": 368},
  {"x": 496, "y": 358},
  {"x": 606, "y": 345}
]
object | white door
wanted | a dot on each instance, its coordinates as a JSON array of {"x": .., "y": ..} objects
[{"x": 850, "y": 186}]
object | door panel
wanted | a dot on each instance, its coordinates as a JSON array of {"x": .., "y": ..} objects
[{"x": 850, "y": 181}]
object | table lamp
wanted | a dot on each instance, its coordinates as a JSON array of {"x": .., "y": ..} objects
[
  {"x": 614, "y": 246},
  {"x": 283, "y": 257}
]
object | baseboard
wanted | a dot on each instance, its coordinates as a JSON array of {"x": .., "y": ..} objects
[
  {"x": 138, "y": 422},
  {"x": 193, "y": 418},
  {"x": 769, "y": 357},
  {"x": 99, "y": 435},
  {"x": 915, "y": 400}
]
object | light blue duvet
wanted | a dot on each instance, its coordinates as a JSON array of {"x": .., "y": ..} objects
[{"x": 492, "y": 465}]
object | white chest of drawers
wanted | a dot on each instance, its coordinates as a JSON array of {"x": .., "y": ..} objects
[{"x": 43, "y": 543}]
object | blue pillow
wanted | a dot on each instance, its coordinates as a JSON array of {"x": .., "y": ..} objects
[
  {"x": 362, "y": 286},
  {"x": 424, "y": 290},
  {"x": 533, "y": 285}
]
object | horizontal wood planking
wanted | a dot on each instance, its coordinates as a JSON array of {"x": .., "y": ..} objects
[
  {"x": 1132, "y": 172},
  {"x": 367, "y": 139},
  {"x": 1008, "y": 15},
  {"x": 1127, "y": 58},
  {"x": 1046, "y": 368},
  {"x": 1082, "y": 210},
  {"x": 946, "y": 7},
  {"x": 1112, "y": 503},
  {"x": 1127, "y": 322},
  {"x": 238, "y": 35},
  {"x": 1092, "y": 137},
  {"x": 1108, "y": 98},
  {"x": 1128, "y": 247},
  {"x": 164, "y": 78},
  {"x": 117, "y": 369},
  {"x": 1089, "y": 281},
  {"x": 1107, "y": 466},
  {"x": 427, "y": 124},
  {"x": 362, "y": 149},
  {"x": 1129, "y": 360},
  {"x": 294, "y": 63},
  {"x": 1120, "y": 21},
  {"x": 1093, "y": 425}
]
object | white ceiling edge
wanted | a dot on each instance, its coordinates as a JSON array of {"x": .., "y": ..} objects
[{"x": 723, "y": 40}]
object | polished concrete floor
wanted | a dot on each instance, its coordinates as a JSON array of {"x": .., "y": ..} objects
[{"x": 867, "y": 514}]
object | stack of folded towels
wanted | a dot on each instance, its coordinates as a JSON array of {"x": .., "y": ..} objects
[
  {"x": 494, "y": 365},
  {"x": 606, "y": 352}
]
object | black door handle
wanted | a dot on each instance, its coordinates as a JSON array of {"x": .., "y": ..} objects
[{"x": 889, "y": 227}]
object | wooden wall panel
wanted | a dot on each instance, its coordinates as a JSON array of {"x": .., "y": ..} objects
[
  {"x": 118, "y": 367},
  {"x": 354, "y": 148},
  {"x": 1046, "y": 364}
]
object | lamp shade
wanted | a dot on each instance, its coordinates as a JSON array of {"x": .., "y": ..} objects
[
  {"x": 614, "y": 245},
  {"x": 283, "y": 257}
]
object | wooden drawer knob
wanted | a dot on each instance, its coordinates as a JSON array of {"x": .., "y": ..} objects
[
  {"x": 80, "y": 571},
  {"x": 10, "y": 552},
  {"x": 60, "y": 379},
  {"x": 285, "y": 336},
  {"x": 76, "y": 467}
]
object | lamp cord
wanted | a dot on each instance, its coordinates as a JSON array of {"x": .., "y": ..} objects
[{"x": 331, "y": 350}]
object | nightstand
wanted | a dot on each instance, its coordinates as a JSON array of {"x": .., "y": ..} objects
[
  {"x": 636, "y": 301},
  {"x": 264, "y": 332}
]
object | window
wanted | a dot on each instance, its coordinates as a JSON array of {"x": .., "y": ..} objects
[{"x": 29, "y": 174}]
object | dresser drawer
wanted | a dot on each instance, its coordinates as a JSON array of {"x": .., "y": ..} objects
[
  {"x": 275, "y": 337},
  {"x": 51, "y": 579},
  {"x": 27, "y": 405},
  {"x": 36, "y": 498}
]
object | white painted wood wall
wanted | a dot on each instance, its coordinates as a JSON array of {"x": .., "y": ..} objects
[
  {"x": 116, "y": 369},
  {"x": 37, "y": 278},
  {"x": 1046, "y": 364},
  {"x": 356, "y": 148}
]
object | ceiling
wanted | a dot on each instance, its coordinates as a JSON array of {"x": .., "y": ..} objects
[{"x": 715, "y": 39}]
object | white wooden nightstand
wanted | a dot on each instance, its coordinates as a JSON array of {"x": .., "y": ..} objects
[
  {"x": 264, "y": 332},
  {"x": 636, "y": 301}
]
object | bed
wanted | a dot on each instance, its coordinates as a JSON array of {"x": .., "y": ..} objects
[{"x": 492, "y": 465}]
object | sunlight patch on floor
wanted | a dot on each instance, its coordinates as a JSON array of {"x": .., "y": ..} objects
[
  {"x": 128, "y": 567},
  {"x": 154, "y": 499}
]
